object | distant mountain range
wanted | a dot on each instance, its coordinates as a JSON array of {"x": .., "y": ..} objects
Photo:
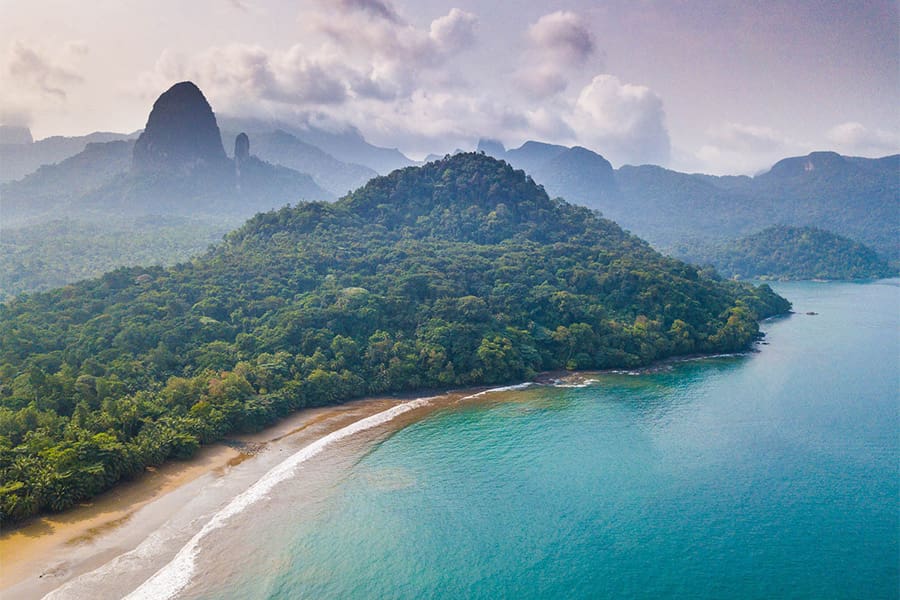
[
  {"x": 179, "y": 167},
  {"x": 855, "y": 197},
  {"x": 19, "y": 156}
]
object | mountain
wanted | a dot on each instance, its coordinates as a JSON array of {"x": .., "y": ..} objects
[
  {"x": 855, "y": 197},
  {"x": 346, "y": 145},
  {"x": 577, "y": 174},
  {"x": 459, "y": 272},
  {"x": 178, "y": 166},
  {"x": 282, "y": 148},
  {"x": 10, "y": 134},
  {"x": 48, "y": 192},
  {"x": 796, "y": 253},
  {"x": 100, "y": 200},
  {"x": 181, "y": 135},
  {"x": 18, "y": 157}
]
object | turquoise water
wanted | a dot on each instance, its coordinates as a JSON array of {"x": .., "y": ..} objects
[{"x": 770, "y": 475}]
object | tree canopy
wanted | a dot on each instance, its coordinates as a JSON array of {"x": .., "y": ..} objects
[{"x": 460, "y": 272}]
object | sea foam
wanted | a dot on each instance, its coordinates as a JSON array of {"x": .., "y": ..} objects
[
  {"x": 174, "y": 576},
  {"x": 506, "y": 388}
]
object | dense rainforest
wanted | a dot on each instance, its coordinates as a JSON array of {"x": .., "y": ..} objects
[
  {"x": 460, "y": 272},
  {"x": 783, "y": 252}
]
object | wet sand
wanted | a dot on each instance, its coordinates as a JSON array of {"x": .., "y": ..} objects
[{"x": 45, "y": 553}]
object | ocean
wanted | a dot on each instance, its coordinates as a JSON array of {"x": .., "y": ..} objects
[{"x": 771, "y": 474}]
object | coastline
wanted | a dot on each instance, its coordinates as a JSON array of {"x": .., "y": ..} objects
[
  {"x": 48, "y": 552},
  {"x": 51, "y": 551}
]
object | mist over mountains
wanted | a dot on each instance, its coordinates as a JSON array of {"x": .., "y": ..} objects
[{"x": 183, "y": 181}]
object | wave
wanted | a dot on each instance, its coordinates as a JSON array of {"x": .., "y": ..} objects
[
  {"x": 175, "y": 575},
  {"x": 505, "y": 388},
  {"x": 559, "y": 383}
]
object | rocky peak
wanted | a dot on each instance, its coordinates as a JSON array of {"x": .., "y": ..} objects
[
  {"x": 181, "y": 133},
  {"x": 13, "y": 134},
  {"x": 241, "y": 147}
]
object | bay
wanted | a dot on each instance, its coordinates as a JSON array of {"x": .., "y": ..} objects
[{"x": 770, "y": 474}]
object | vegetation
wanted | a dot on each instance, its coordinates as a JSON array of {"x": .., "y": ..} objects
[
  {"x": 460, "y": 272},
  {"x": 782, "y": 252},
  {"x": 854, "y": 197},
  {"x": 52, "y": 254}
]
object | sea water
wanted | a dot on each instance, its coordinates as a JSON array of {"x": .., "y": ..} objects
[{"x": 767, "y": 475}]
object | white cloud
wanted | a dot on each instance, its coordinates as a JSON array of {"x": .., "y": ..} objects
[
  {"x": 31, "y": 68},
  {"x": 565, "y": 35},
  {"x": 559, "y": 46},
  {"x": 740, "y": 148},
  {"x": 624, "y": 122},
  {"x": 856, "y": 138},
  {"x": 402, "y": 85},
  {"x": 454, "y": 31},
  {"x": 38, "y": 79}
]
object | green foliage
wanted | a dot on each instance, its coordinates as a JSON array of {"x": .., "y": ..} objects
[
  {"x": 796, "y": 253},
  {"x": 460, "y": 272},
  {"x": 54, "y": 253}
]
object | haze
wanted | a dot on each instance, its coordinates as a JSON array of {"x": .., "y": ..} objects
[{"x": 724, "y": 87}]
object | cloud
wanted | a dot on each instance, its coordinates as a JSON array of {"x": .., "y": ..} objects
[
  {"x": 15, "y": 116},
  {"x": 346, "y": 55},
  {"x": 738, "y": 137},
  {"x": 563, "y": 34},
  {"x": 238, "y": 74},
  {"x": 740, "y": 148},
  {"x": 375, "y": 8},
  {"x": 624, "y": 122},
  {"x": 559, "y": 46},
  {"x": 454, "y": 31},
  {"x": 855, "y": 138},
  {"x": 409, "y": 85},
  {"x": 31, "y": 68}
]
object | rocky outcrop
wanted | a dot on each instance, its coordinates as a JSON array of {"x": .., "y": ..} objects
[
  {"x": 181, "y": 134},
  {"x": 241, "y": 147}
]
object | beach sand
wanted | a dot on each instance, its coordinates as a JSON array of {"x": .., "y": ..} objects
[{"x": 45, "y": 553}]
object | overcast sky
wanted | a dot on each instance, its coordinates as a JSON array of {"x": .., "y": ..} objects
[{"x": 717, "y": 86}]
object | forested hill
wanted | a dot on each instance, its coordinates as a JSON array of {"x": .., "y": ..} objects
[
  {"x": 459, "y": 272},
  {"x": 783, "y": 252}
]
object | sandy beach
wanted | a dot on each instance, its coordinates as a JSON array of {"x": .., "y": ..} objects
[{"x": 50, "y": 551}]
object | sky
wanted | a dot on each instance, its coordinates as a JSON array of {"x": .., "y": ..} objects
[{"x": 715, "y": 86}]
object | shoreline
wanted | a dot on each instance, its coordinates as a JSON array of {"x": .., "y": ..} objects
[{"x": 47, "y": 552}]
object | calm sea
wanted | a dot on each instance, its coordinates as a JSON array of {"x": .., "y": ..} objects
[{"x": 768, "y": 475}]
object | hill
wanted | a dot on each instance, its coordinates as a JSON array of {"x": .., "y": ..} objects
[
  {"x": 19, "y": 156},
  {"x": 459, "y": 272},
  {"x": 855, "y": 197},
  {"x": 782, "y": 252}
]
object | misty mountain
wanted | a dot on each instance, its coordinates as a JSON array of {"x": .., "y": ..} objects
[
  {"x": 95, "y": 211},
  {"x": 347, "y": 145},
  {"x": 851, "y": 196},
  {"x": 52, "y": 190},
  {"x": 178, "y": 166},
  {"x": 576, "y": 173},
  {"x": 18, "y": 157},
  {"x": 282, "y": 148}
]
